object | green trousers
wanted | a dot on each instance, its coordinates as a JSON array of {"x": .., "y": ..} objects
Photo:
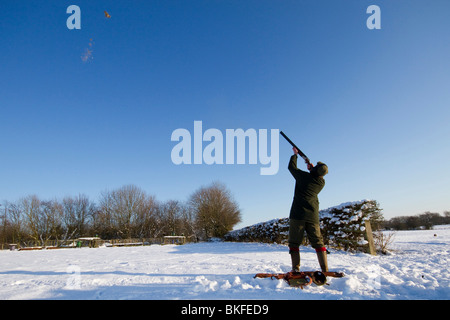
[{"x": 297, "y": 229}]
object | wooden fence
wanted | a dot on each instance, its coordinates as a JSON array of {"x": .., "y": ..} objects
[{"x": 90, "y": 242}]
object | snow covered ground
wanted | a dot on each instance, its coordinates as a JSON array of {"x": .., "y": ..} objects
[{"x": 418, "y": 269}]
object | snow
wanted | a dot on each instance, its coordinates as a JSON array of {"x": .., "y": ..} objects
[{"x": 417, "y": 268}]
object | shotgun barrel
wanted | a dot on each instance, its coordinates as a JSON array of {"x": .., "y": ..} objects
[{"x": 293, "y": 144}]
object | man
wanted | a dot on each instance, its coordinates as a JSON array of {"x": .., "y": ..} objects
[{"x": 304, "y": 215}]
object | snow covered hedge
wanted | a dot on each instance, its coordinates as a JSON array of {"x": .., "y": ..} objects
[
  {"x": 275, "y": 230},
  {"x": 342, "y": 226}
]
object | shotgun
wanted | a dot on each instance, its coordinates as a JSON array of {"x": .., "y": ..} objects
[{"x": 299, "y": 151}]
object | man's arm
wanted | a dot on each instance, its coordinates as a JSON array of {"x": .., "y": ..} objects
[
  {"x": 296, "y": 172},
  {"x": 293, "y": 165}
]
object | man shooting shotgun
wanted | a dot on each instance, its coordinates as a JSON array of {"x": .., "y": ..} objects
[{"x": 304, "y": 215}]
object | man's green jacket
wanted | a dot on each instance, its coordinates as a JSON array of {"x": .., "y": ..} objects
[{"x": 305, "y": 205}]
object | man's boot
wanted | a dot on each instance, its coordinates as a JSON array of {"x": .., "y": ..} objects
[
  {"x": 322, "y": 257},
  {"x": 295, "y": 258}
]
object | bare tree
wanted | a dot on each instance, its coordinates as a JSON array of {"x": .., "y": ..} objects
[
  {"x": 187, "y": 217},
  {"x": 215, "y": 210},
  {"x": 126, "y": 210},
  {"x": 145, "y": 222},
  {"x": 77, "y": 215},
  {"x": 43, "y": 219},
  {"x": 50, "y": 221},
  {"x": 103, "y": 217},
  {"x": 30, "y": 207},
  {"x": 171, "y": 213},
  {"x": 15, "y": 218}
]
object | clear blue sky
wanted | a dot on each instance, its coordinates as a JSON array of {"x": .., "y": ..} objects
[{"x": 372, "y": 104}]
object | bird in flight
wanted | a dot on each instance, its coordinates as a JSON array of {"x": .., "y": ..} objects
[{"x": 107, "y": 15}]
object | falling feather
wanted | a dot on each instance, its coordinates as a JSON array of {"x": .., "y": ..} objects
[{"x": 87, "y": 54}]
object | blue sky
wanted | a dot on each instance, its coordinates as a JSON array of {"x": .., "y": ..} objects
[{"x": 372, "y": 104}]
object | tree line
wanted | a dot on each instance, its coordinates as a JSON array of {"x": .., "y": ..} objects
[
  {"x": 123, "y": 213},
  {"x": 425, "y": 220}
]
